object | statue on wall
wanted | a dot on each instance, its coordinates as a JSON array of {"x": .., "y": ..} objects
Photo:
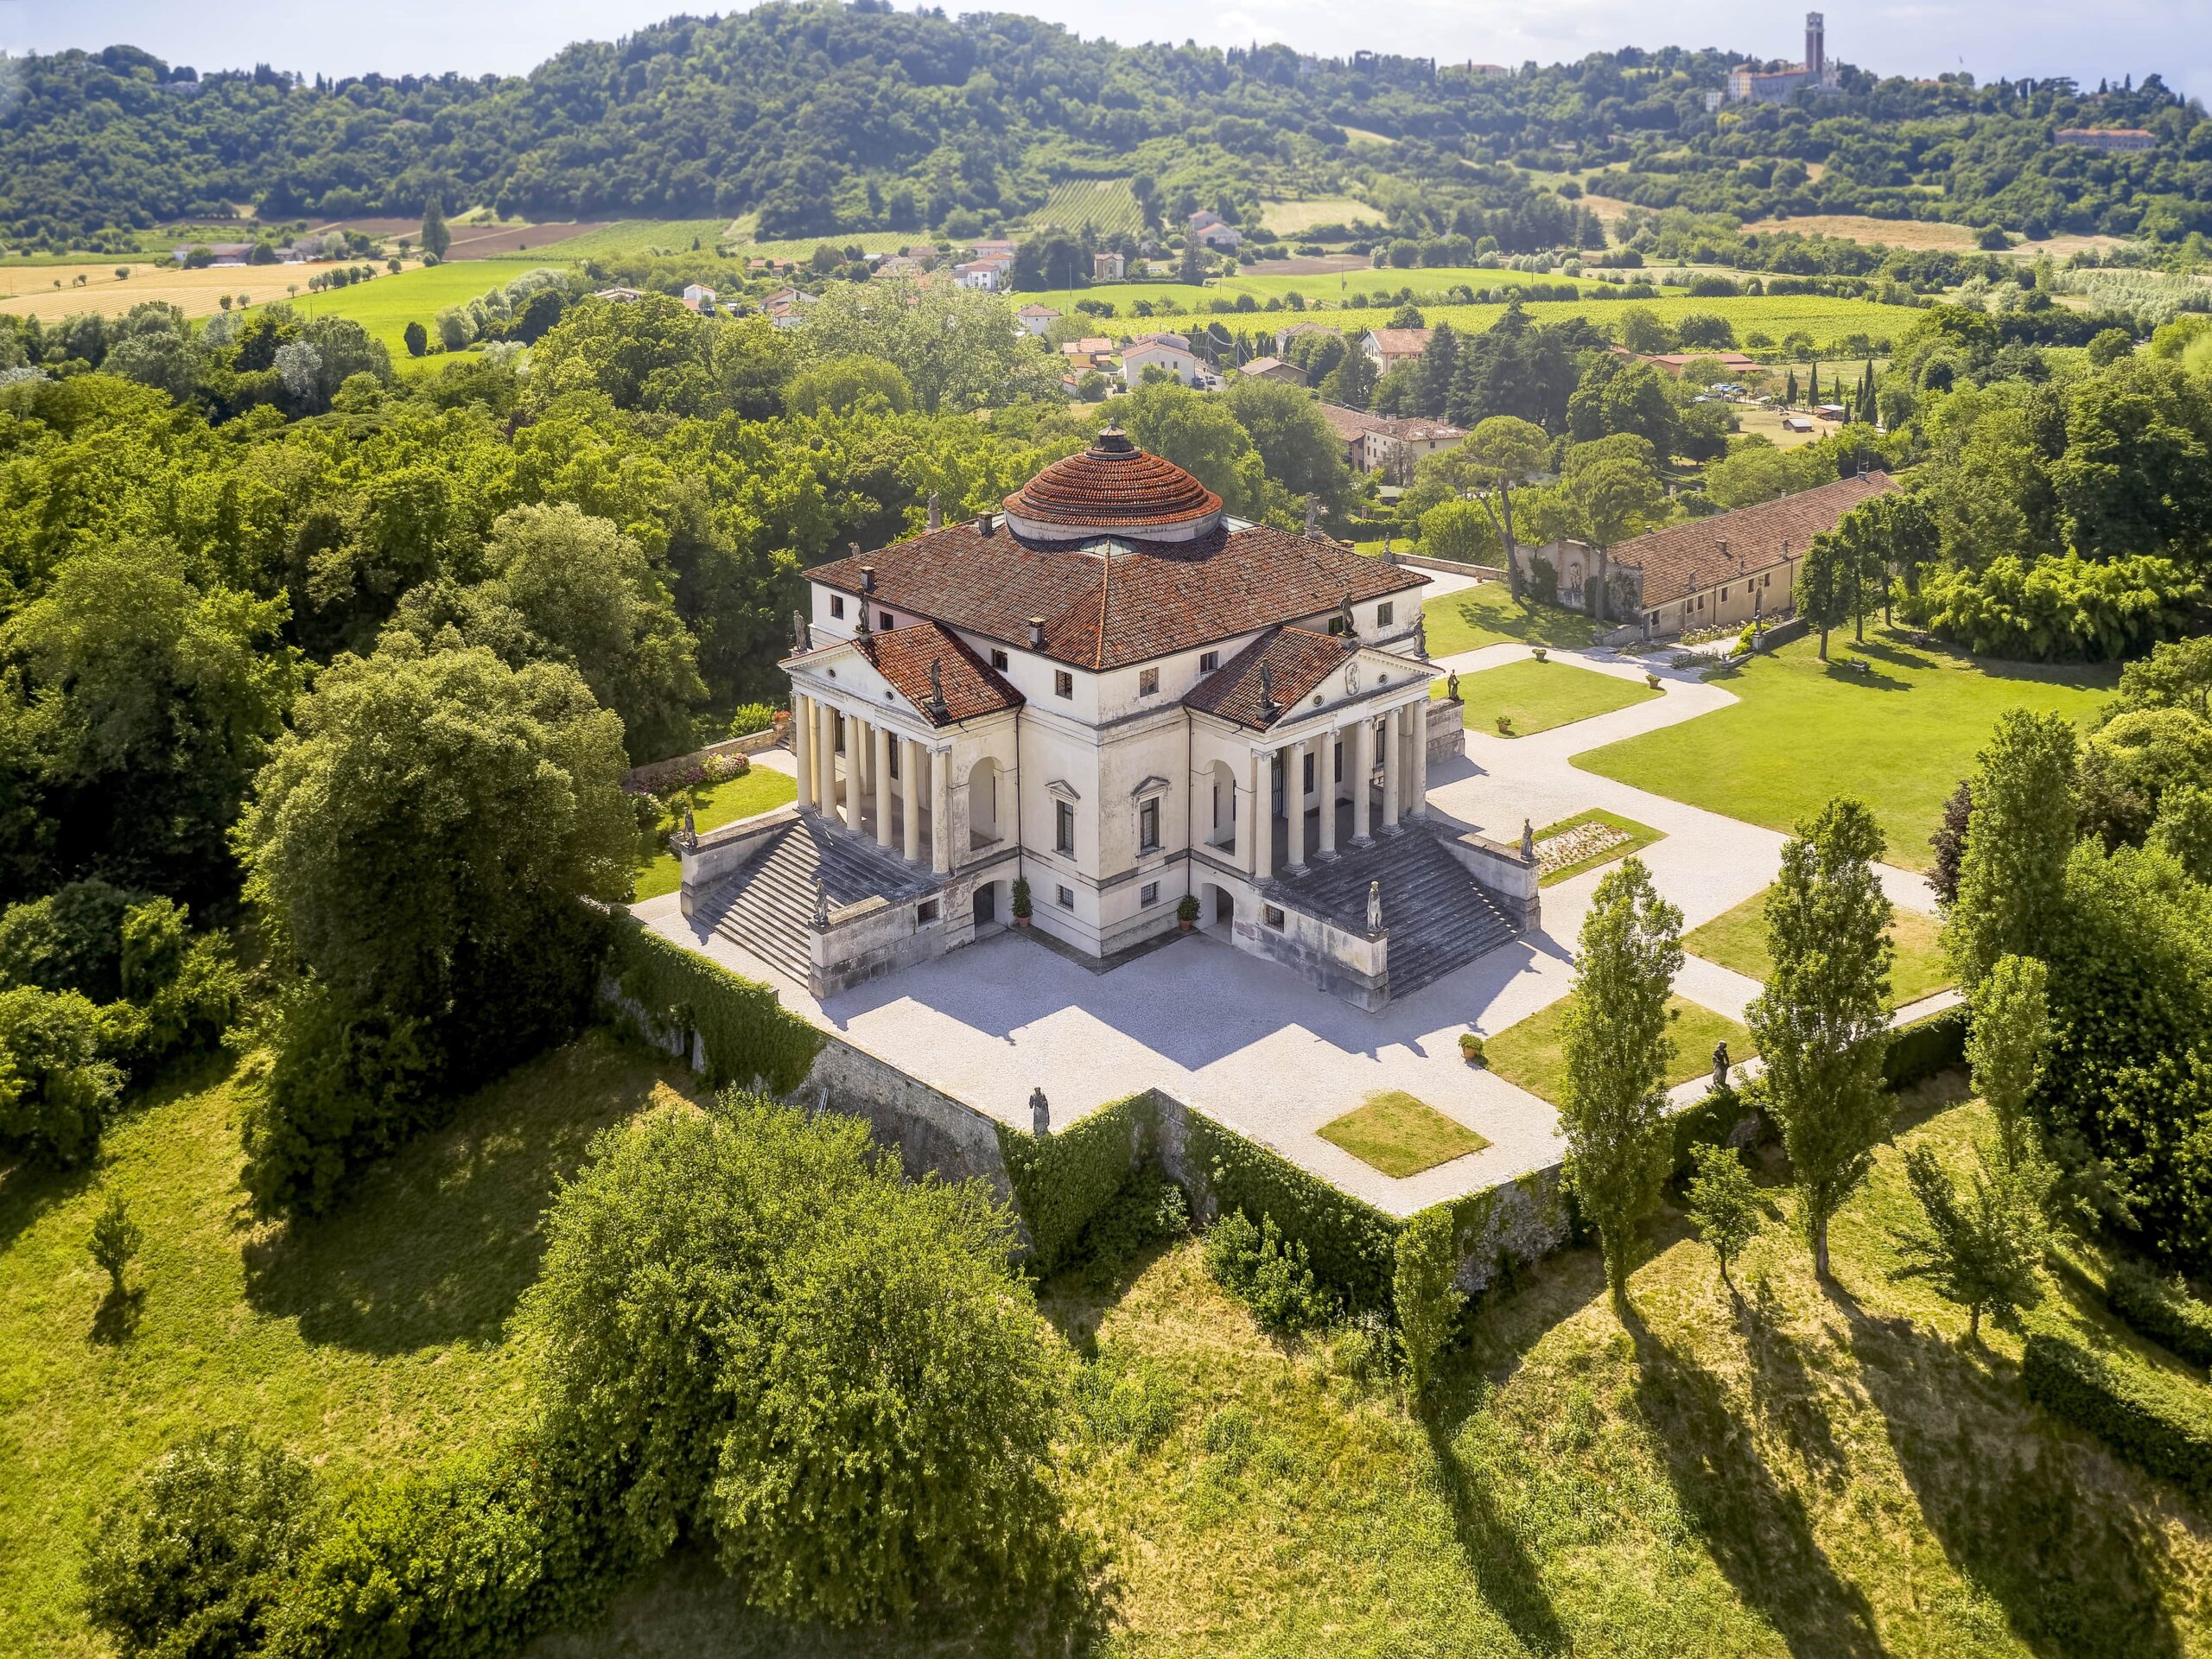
[
  {"x": 1452, "y": 685},
  {"x": 1267, "y": 703},
  {"x": 821, "y": 906},
  {"x": 1375, "y": 907},
  {"x": 799, "y": 640},
  {"x": 1528, "y": 841},
  {"x": 1420, "y": 635},
  {"x": 1721, "y": 1064},
  {"x": 1312, "y": 514},
  {"x": 937, "y": 687},
  {"x": 1040, "y": 1113}
]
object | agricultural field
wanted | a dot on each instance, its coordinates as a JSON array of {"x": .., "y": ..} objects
[
  {"x": 32, "y": 290},
  {"x": 387, "y": 305},
  {"x": 1107, "y": 206},
  {"x": 801, "y": 247},
  {"x": 1263, "y": 281},
  {"x": 633, "y": 238},
  {"x": 1295, "y": 218}
]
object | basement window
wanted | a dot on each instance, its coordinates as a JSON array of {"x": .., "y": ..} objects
[
  {"x": 1148, "y": 895},
  {"x": 1066, "y": 897},
  {"x": 926, "y": 910},
  {"x": 1272, "y": 915}
]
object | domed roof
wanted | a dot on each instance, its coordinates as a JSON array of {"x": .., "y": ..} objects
[{"x": 1113, "y": 488}]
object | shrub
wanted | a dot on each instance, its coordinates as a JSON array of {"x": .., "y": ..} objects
[
  {"x": 1186, "y": 908},
  {"x": 1920, "y": 1050},
  {"x": 115, "y": 1239},
  {"x": 195, "y": 1560},
  {"x": 1061, "y": 1181},
  {"x": 2163, "y": 1311},
  {"x": 1429, "y": 1303},
  {"x": 1471, "y": 1048},
  {"x": 751, "y": 717},
  {"x": 1148, "y": 1209},
  {"x": 1352, "y": 1246},
  {"x": 1269, "y": 1276},
  {"x": 55, "y": 1089},
  {"x": 2162, "y": 1426},
  {"x": 70, "y": 940},
  {"x": 740, "y": 1029}
]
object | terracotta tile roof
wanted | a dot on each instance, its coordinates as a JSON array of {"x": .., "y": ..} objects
[
  {"x": 1399, "y": 342},
  {"x": 1415, "y": 429},
  {"x": 1113, "y": 485},
  {"x": 1350, "y": 423},
  {"x": 1296, "y": 660},
  {"x": 1104, "y": 610},
  {"x": 1755, "y": 535},
  {"x": 970, "y": 685}
]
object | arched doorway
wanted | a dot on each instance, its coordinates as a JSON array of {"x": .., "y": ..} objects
[
  {"x": 992, "y": 906},
  {"x": 1223, "y": 832},
  {"x": 1217, "y": 908},
  {"x": 983, "y": 802}
]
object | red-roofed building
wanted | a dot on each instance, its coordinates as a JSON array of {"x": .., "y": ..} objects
[{"x": 1116, "y": 693}]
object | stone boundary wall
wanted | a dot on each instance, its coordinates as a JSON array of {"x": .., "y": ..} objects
[
  {"x": 1451, "y": 566},
  {"x": 656, "y": 774}
]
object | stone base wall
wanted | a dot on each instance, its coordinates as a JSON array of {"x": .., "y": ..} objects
[
  {"x": 934, "y": 1133},
  {"x": 1349, "y": 965},
  {"x": 1447, "y": 728}
]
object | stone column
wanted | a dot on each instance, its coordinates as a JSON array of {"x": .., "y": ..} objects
[
  {"x": 1294, "y": 804},
  {"x": 1363, "y": 767},
  {"x": 825, "y": 755},
  {"x": 1324, "y": 776},
  {"x": 802, "y": 747},
  {"x": 882, "y": 768},
  {"x": 941, "y": 811},
  {"x": 1240, "y": 807},
  {"x": 1393, "y": 768},
  {"x": 1417, "y": 718},
  {"x": 855, "y": 773},
  {"x": 915, "y": 765},
  {"x": 1263, "y": 814}
]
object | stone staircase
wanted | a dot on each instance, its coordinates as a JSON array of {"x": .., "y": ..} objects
[
  {"x": 1437, "y": 916},
  {"x": 767, "y": 908}
]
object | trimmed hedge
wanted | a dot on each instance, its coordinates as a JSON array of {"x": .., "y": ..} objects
[
  {"x": 2164, "y": 1426},
  {"x": 1709, "y": 1123},
  {"x": 1061, "y": 1181},
  {"x": 1352, "y": 1247},
  {"x": 745, "y": 1032},
  {"x": 2167, "y": 1314},
  {"x": 1918, "y": 1052}
]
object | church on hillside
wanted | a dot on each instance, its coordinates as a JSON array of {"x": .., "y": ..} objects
[{"x": 1136, "y": 707}]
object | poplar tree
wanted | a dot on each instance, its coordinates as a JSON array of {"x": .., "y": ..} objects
[
  {"x": 435, "y": 238},
  {"x": 1617, "y": 1044},
  {"x": 2012, "y": 873},
  {"x": 1823, "y": 1023}
]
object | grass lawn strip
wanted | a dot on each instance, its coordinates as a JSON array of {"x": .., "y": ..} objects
[
  {"x": 1737, "y": 939},
  {"x": 1487, "y": 614},
  {"x": 1634, "y": 837},
  {"x": 1399, "y": 1135},
  {"x": 1537, "y": 696},
  {"x": 760, "y": 791},
  {"x": 1532, "y": 1054},
  {"x": 1802, "y": 732}
]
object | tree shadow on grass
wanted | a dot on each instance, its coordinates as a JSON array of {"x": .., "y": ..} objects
[
  {"x": 1785, "y": 1391},
  {"x": 2018, "y": 1514},
  {"x": 116, "y": 1320},
  {"x": 1756, "y": 1529},
  {"x": 436, "y": 1245},
  {"x": 1504, "y": 1569}
]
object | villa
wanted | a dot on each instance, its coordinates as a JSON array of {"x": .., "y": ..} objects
[{"x": 1134, "y": 705}]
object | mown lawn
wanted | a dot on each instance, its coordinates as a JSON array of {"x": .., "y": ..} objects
[
  {"x": 1399, "y": 1135},
  {"x": 1737, "y": 938},
  {"x": 1533, "y": 696},
  {"x": 375, "y": 1341},
  {"x": 1487, "y": 614},
  {"x": 1804, "y": 731},
  {"x": 1640, "y": 835},
  {"x": 1798, "y": 1473},
  {"x": 760, "y": 791},
  {"x": 1532, "y": 1053}
]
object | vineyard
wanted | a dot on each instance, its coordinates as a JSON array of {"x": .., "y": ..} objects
[
  {"x": 630, "y": 239},
  {"x": 1107, "y": 206}
]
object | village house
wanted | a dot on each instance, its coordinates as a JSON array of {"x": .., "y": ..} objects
[
  {"x": 1209, "y": 228},
  {"x": 1733, "y": 364},
  {"x": 988, "y": 275},
  {"x": 1169, "y": 352},
  {"x": 1352, "y": 426},
  {"x": 2107, "y": 138},
  {"x": 1106, "y": 699},
  {"x": 620, "y": 295},
  {"x": 1707, "y": 573},
  {"x": 1396, "y": 446},
  {"x": 226, "y": 253},
  {"x": 1388, "y": 347},
  {"x": 1298, "y": 331},
  {"x": 1109, "y": 267},
  {"x": 699, "y": 296},
  {"x": 1273, "y": 368},
  {"x": 1036, "y": 319},
  {"x": 1749, "y": 84}
]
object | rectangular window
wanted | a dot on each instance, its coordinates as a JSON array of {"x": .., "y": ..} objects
[
  {"x": 1271, "y": 915},
  {"x": 1148, "y": 894},
  {"x": 1148, "y": 827},
  {"x": 998, "y": 659},
  {"x": 1336, "y": 624},
  {"x": 1148, "y": 682},
  {"x": 1208, "y": 661},
  {"x": 1305, "y": 777},
  {"x": 1385, "y": 614},
  {"x": 1724, "y": 595},
  {"x": 883, "y": 620},
  {"x": 1063, "y": 683},
  {"x": 836, "y": 605},
  {"x": 1063, "y": 827},
  {"x": 1066, "y": 896},
  {"x": 926, "y": 910}
]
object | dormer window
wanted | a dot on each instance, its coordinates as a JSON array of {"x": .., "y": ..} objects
[
  {"x": 1208, "y": 661},
  {"x": 1148, "y": 682},
  {"x": 998, "y": 659},
  {"x": 1337, "y": 627},
  {"x": 1063, "y": 683},
  {"x": 837, "y": 605},
  {"x": 1385, "y": 613}
]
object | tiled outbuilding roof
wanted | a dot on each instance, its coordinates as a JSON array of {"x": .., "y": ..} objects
[
  {"x": 1107, "y": 609},
  {"x": 970, "y": 685},
  {"x": 1400, "y": 342},
  {"x": 1350, "y": 423},
  {"x": 1295, "y": 660},
  {"x": 1754, "y": 538}
]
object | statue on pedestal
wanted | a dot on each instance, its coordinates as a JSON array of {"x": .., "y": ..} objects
[
  {"x": 1040, "y": 1113},
  {"x": 821, "y": 906},
  {"x": 1528, "y": 841},
  {"x": 1721, "y": 1064},
  {"x": 1375, "y": 907},
  {"x": 799, "y": 641},
  {"x": 1452, "y": 685}
]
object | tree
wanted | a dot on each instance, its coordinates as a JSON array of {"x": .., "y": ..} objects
[
  {"x": 2008, "y": 1039},
  {"x": 1193, "y": 268},
  {"x": 2011, "y": 876},
  {"x": 1501, "y": 454},
  {"x": 1200, "y": 435},
  {"x": 417, "y": 339},
  {"x": 1723, "y": 1204},
  {"x": 115, "y": 1239},
  {"x": 196, "y": 1558},
  {"x": 435, "y": 238},
  {"x": 1823, "y": 1023},
  {"x": 1616, "y": 1053},
  {"x": 56, "y": 1089},
  {"x": 1950, "y": 842},
  {"x": 1296, "y": 447},
  {"x": 1824, "y": 585},
  {"x": 1607, "y": 501},
  {"x": 417, "y": 846},
  {"x": 1351, "y": 384},
  {"x": 839, "y": 385},
  {"x": 1981, "y": 1250}
]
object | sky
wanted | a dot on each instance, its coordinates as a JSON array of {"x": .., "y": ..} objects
[{"x": 2087, "y": 39}]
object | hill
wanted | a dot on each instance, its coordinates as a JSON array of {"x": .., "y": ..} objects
[{"x": 818, "y": 118}]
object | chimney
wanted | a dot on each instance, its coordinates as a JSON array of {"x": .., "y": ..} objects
[
  {"x": 936, "y": 512},
  {"x": 984, "y": 526},
  {"x": 867, "y": 578},
  {"x": 1036, "y": 633}
]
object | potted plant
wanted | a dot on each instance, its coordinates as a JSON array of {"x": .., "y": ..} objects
[
  {"x": 1652, "y": 679},
  {"x": 1186, "y": 911},
  {"x": 1021, "y": 909},
  {"x": 1505, "y": 725},
  {"x": 1471, "y": 1048},
  {"x": 1542, "y": 653}
]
